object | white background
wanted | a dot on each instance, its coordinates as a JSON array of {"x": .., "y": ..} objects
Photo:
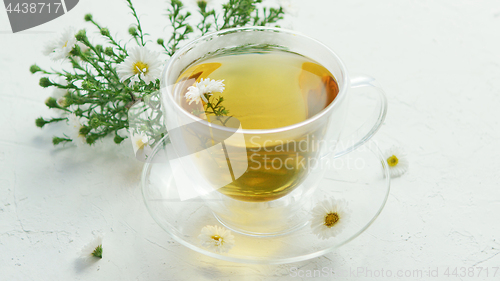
[{"x": 439, "y": 62}]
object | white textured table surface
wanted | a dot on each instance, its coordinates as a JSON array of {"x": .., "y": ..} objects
[{"x": 439, "y": 62}]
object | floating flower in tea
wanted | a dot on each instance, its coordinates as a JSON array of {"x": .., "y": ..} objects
[{"x": 204, "y": 87}]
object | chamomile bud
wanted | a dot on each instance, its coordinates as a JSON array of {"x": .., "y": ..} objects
[
  {"x": 88, "y": 17},
  {"x": 105, "y": 31},
  {"x": 109, "y": 51},
  {"x": 81, "y": 35},
  {"x": 91, "y": 139},
  {"x": 35, "y": 68},
  {"x": 99, "y": 48},
  {"x": 51, "y": 102},
  {"x": 45, "y": 82},
  {"x": 58, "y": 140},
  {"x": 84, "y": 130},
  {"x": 40, "y": 122},
  {"x": 132, "y": 31},
  {"x": 95, "y": 122},
  {"x": 118, "y": 139}
]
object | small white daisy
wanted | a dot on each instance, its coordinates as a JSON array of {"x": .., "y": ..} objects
[
  {"x": 330, "y": 217},
  {"x": 59, "y": 49},
  {"x": 140, "y": 63},
  {"x": 397, "y": 160},
  {"x": 94, "y": 247},
  {"x": 139, "y": 141},
  {"x": 216, "y": 238},
  {"x": 205, "y": 86},
  {"x": 210, "y": 86},
  {"x": 75, "y": 125}
]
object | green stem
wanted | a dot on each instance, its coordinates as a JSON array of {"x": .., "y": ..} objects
[
  {"x": 110, "y": 38},
  {"x": 139, "y": 28}
]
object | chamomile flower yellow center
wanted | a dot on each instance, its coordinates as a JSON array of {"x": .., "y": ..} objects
[
  {"x": 140, "y": 67},
  {"x": 60, "y": 48},
  {"x": 216, "y": 237},
  {"x": 331, "y": 219},
  {"x": 140, "y": 143},
  {"x": 392, "y": 161},
  {"x": 141, "y": 64}
]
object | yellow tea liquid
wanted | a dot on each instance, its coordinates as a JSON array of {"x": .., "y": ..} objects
[{"x": 266, "y": 90}]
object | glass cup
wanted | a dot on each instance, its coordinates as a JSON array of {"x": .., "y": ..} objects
[{"x": 257, "y": 181}]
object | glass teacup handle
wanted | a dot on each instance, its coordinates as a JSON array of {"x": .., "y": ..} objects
[{"x": 366, "y": 131}]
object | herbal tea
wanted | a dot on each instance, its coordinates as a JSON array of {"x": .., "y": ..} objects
[{"x": 263, "y": 90}]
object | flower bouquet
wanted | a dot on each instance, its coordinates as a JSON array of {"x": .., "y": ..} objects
[{"x": 110, "y": 89}]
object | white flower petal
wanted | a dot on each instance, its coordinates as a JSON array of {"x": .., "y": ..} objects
[
  {"x": 223, "y": 244},
  {"x": 205, "y": 86},
  {"x": 139, "y": 141},
  {"x": 193, "y": 94},
  {"x": 89, "y": 248},
  {"x": 60, "y": 48},
  {"x": 61, "y": 101},
  {"x": 150, "y": 66},
  {"x": 75, "y": 124},
  {"x": 321, "y": 210},
  {"x": 403, "y": 164}
]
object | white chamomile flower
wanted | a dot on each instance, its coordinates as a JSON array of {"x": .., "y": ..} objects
[
  {"x": 193, "y": 94},
  {"x": 139, "y": 141},
  {"x": 397, "y": 160},
  {"x": 205, "y": 86},
  {"x": 141, "y": 64},
  {"x": 330, "y": 217},
  {"x": 216, "y": 238},
  {"x": 59, "y": 49},
  {"x": 210, "y": 86},
  {"x": 76, "y": 125},
  {"x": 94, "y": 247}
]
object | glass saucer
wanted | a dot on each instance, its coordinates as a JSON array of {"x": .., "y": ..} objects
[{"x": 361, "y": 177}]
